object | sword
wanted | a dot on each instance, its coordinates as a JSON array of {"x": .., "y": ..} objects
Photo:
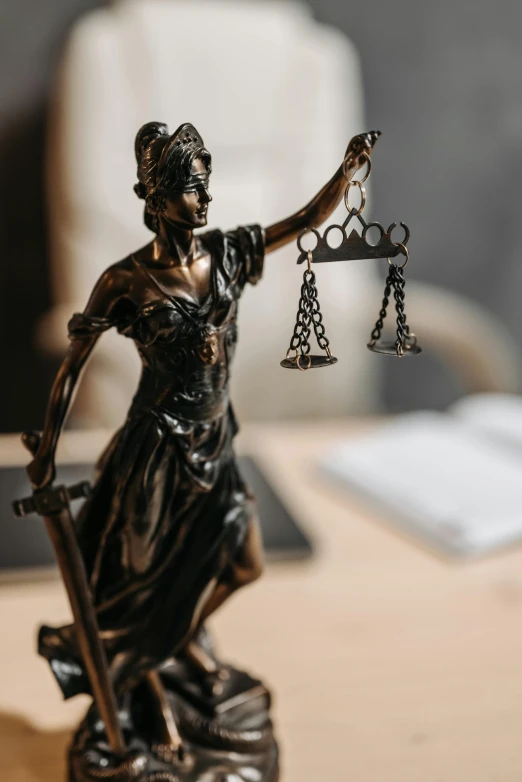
[{"x": 53, "y": 504}]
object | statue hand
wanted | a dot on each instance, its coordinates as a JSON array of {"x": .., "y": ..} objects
[
  {"x": 359, "y": 147},
  {"x": 41, "y": 471}
]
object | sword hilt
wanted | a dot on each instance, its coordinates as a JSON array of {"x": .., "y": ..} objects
[
  {"x": 53, "y": 503},
  {"x": 51, "y": 499}
]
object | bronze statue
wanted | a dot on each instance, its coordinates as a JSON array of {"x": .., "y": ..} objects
[{"x": 169, "y": 531}]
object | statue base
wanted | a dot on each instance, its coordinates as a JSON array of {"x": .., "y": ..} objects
[{"x": 226, "y": 731}]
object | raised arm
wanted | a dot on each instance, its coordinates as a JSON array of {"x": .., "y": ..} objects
[
  {"x": 327, "y": 199},
  {"x": 107, "y": 292}
]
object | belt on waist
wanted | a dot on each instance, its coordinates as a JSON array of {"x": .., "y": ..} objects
[{"x": 205, "y": 410}]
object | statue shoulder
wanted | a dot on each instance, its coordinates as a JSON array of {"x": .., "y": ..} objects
[{"x": 113, "y": 285}]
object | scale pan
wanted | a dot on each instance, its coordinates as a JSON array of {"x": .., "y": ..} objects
[
  {"x": 387, "y": 348},
  {"x": 315, "y": 362}
]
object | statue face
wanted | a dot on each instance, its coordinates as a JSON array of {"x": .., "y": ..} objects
[{"x": 189, "y": 210}]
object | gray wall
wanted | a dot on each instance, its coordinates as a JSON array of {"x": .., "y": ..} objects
[{"x": 443, "y": 81}]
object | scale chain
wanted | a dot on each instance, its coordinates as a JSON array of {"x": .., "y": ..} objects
[
  {"x": 394, "y": 282},
  {"x": 399, "y": 295},
  {"x": 317, "y": 317},
  {"x": 376, "y": 333},
  {"x": 309, "y": 316}
]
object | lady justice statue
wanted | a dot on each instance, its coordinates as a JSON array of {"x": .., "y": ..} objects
[{"x": 169, "y": 531}]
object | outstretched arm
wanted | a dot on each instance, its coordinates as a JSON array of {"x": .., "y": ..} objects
[
  {"x": 327, "y": 199},
  {"x": 41, "y": 471}
]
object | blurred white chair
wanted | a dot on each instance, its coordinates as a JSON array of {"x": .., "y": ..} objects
[{"x": 276, "y": 97}]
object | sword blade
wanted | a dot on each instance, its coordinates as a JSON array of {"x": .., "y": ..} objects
[{"x": 70, "y": 561}]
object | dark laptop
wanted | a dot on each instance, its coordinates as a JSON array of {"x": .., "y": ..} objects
[{"x": 24, "y": 543}]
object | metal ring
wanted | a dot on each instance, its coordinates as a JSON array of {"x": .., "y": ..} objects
[
  {"x": 331, "y": 228},
  {"x": 406, "y": 238},
  {"x": 303, "y": 233},
  {"x": 379, "y": 228},
  {"x": 309, "y": 259},
  {"x": 354, "y": 183},
  {"x": 307, "y": 355},
  {"x": 288, "y": 354},
  {"x": 404, "y": 251},
  {"x": 367, "y": 161}
]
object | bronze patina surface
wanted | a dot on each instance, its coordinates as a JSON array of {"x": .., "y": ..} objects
[{"x": 169, "y": 531}]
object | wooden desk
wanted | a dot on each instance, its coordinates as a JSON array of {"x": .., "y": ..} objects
[{"x": 388, "y": 665}]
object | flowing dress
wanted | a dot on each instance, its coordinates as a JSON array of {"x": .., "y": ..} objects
[{"x": 169, "y": 510}]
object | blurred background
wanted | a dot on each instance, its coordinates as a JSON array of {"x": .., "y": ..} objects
[
  {"x": 391, "y": 646},
  {"x": 276, "y": 89}
]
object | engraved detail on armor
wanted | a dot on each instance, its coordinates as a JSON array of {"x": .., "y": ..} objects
[{"x": 209, "y": 350}]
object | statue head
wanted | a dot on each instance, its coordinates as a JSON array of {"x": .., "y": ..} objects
[{"x": 173, "y": 176}]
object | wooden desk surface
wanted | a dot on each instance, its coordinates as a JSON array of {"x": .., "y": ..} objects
[{"x": 388, "y": 665}]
